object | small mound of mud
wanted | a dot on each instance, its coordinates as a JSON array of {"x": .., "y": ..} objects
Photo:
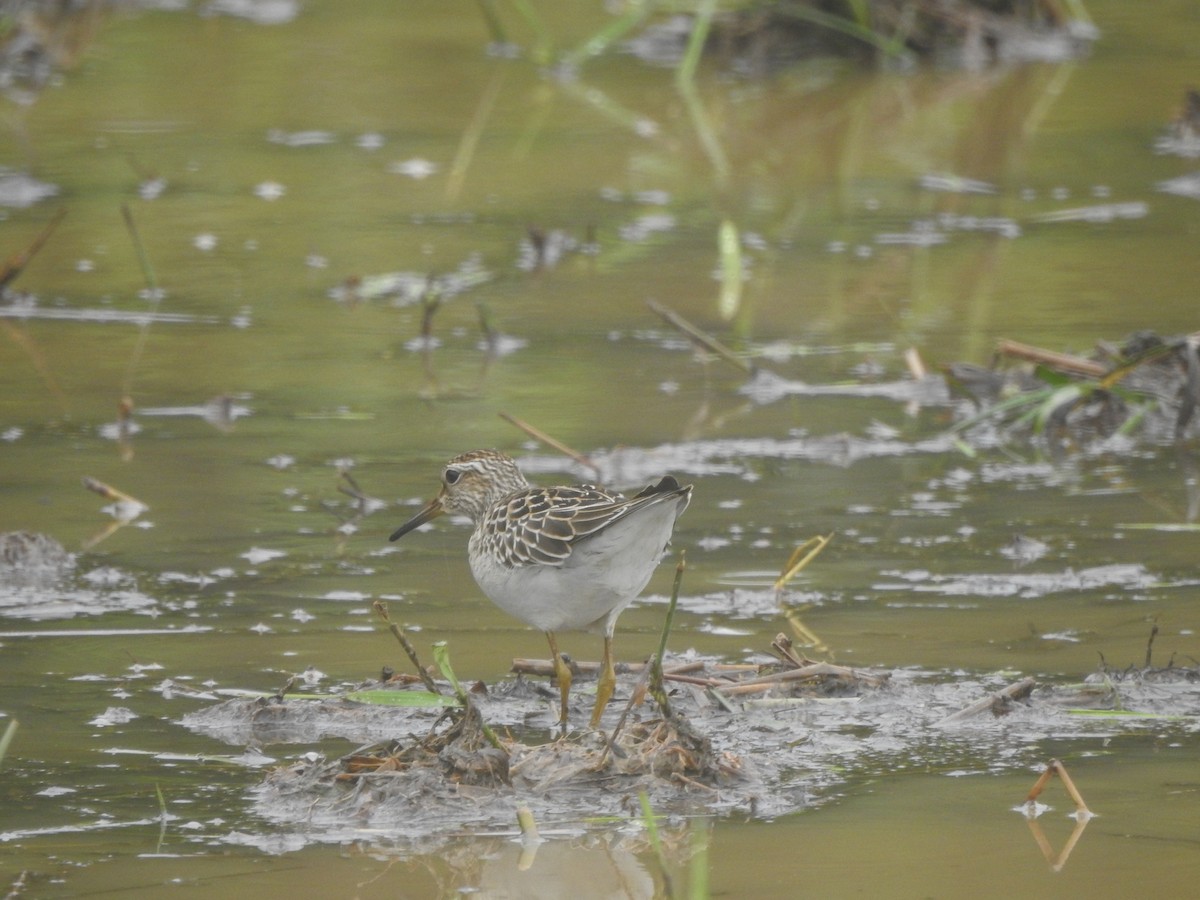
[
  {"x": 747, "y": 739},
  {"x": 30, "y": 559},
  {"x": 455, "y": 777},
  {"x": 39, "y": 581}
]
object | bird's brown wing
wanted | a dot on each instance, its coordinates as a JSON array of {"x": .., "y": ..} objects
[{"x": 541, "y": 526}]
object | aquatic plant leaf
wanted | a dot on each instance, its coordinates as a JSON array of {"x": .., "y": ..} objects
[
  {"x": 1063, "y": 397},
  {"x": 1052, "y": 377}
]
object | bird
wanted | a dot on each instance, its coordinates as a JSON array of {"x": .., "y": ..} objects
[{"x": 557, "y": 558}]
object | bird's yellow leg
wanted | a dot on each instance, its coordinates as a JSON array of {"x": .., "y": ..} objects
[
  {"x": 606, "y": 683},
  {"x": 563, "y": 674}
]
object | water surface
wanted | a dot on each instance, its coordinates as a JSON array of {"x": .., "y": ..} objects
[{"x": 274, "y": 170}]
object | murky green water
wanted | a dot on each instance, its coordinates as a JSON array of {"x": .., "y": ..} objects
[{"x": 818, "y": 165}]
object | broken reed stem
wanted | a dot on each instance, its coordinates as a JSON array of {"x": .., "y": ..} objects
[
  {"x": 6, "y": 738},
  {"x": 494, "y": 25},
  {"x": 1061, "y": 362},
  {"x": 800, "y": 558},
  {"x": 353, "y": 490},
  {"x": 430, "y": 304},
  {"x": 108, "y": 492},
  {"x": 287, "y": 686},
  {"x": 782, "y": 647},
  {"x": 816, "y": 670},
  {"x": 635, "y": 698},
  {"x": 539, "y": 435},
  {"x": 162, "y": 803},
  {"x": 917, "y": 369},
  {"x": 1055, "y": 767},
  {"x": 490, "y": 335},
  {"x": 545, "y": 667},
  {"x": 469, "y": 140},
  {"x": 657, "y": 690},
  {"x": 18, "y": 261},
  {"x": 529, "y": 838},
  {"x": 382, "y": 611},
  {"x": 1014, "y": 691},
  {"x": 706, "y": 341},
  {"x": 124, "y": 509}
]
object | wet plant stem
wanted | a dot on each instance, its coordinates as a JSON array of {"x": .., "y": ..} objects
[
  {"x": 706, "y": 341},
  {"x": 634, "y": 15},
  {"x": 698, "y": 864},
  {"x": 155, "y": 297},
  {"x": 6, "y": 738},
  {"x": 701, "y": 24},
  {"x": 382, "y": 611},
  {"x": 657, "y": 688},
  {"x": 487, "y": 9},
  {"x": 441, "y": 657},
  {"x": 538, "y": 435},
  {"x": 651, "y": 824},
  {"x": 18, "y": 261}
]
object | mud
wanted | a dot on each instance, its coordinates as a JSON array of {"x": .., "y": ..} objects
[
  {"x": 32, "y": 560},
  {"x": 425, "y": 775}
]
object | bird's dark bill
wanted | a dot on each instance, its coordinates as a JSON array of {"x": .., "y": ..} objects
[{"x": 432, "y": 510}]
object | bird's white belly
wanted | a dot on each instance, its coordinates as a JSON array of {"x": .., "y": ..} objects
[{"x": 601, "y": 577}]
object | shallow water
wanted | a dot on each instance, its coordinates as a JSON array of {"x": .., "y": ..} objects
[{"x": 267, "y": 166}]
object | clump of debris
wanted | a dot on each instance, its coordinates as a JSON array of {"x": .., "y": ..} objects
[
  {"x": 751, "y": 739},
  {"x": 1148, "y": 383}
]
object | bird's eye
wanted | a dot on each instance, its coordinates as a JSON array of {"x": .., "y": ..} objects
[{"x": 452, "y": 476}]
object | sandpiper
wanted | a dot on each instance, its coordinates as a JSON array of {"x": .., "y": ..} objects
[{"x": 557, "y": 558}]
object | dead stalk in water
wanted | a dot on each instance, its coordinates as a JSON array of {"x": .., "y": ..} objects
[
  {"x": 155, "y": 298},
  {"x": 108, "y": 492},
  {"x": 5, "y": 739},
  {"x": 529, "y": 838},
  {"x": 816, "y": 670},
  {"x": 1055, "y": 767},
  {"x": 657, "y": 690},
  {"x": 471, "y": 135},
  {"x": 699, "y": 337},
  {"x": 539, "y": 435},
  {"x": 1016, "y": 691},
  {"x": 1060, "y": 362},
  {"x": 635, "y": 698},
  {"x": 651, "y": 823},
  {"x": 382, "y": 611},
  {"x": 799, "y": 560},
  {"x": 16, "y": 263},
  {"x": 441, "y": 656},
  {"x": 916, "y": 366},
  {"x": 782, "y": 647}
]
